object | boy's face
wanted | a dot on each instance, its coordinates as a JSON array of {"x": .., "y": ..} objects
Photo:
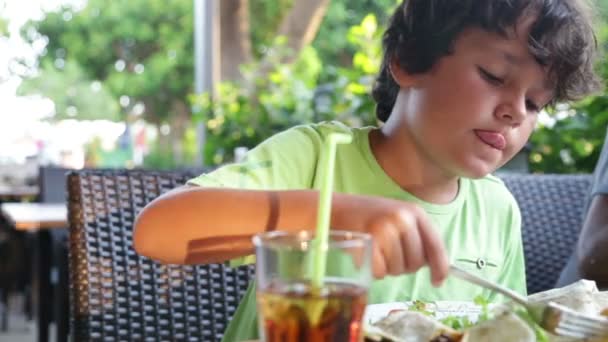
[{"x": 476, "y": 108}]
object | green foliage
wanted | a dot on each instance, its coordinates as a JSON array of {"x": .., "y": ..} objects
[
  {"x": 290, "y": 94},
  {"x": 3, "y": 20},
  {"x": 147, "y": 56},
  {"x": 265, "y": 17},
  {"x": 573, "y": 143},
  {"x": 144, "y": 57},
  {"x": 160, "y": 158},
  {"x": 293, "y": 94},
  {"x": 340, "y": 17},
  {"x": 3, "y": 27},
  {"x": 140, "y": 48},
  {"x": 74, "y": 95},
  {"x": 250, "y": 111},
  {"x": 345, "y": 94},
  {"x": 333, "y": 49}
]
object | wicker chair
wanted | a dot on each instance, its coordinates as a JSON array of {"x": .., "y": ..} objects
[
  {"x": 117, "y": 295},
  {"x": 552, "y": 213}
]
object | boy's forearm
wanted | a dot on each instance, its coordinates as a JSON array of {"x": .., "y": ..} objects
[{"x": 199, "y": 225}]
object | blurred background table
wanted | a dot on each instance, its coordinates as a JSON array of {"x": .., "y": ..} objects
[
  {"x": 40, "y": 219},
  {"x": 18, "y": 192},
  {"x": 28, "y": 216}
]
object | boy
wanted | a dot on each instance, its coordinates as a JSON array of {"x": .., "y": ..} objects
[{"x": 459, "y": 91}]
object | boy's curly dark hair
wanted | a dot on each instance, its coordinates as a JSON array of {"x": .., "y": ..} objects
[{"x": 422, "y": 31}]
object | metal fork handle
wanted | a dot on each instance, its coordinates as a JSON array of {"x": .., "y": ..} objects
[{"x": 470, "y": 277}]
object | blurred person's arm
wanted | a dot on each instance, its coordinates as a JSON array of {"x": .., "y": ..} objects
[
  {"x": 593, "y": 242},
  {"x": 592, "y": 248}
]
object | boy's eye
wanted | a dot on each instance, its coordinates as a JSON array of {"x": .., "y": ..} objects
[
  {"x": 531, "y": 106},
  {"x": 493, "y": 79}
]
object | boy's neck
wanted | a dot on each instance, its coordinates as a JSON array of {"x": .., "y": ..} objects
[{"x": 414, "y": 172}]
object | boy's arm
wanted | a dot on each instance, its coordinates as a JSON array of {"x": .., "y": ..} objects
[
  {"x": 593, "y": 254},
  {"x": 202, "y": 225},
  {"x": 211, "y": 221}
]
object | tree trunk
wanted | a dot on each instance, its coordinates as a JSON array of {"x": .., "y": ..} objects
[
  {"x": 300, "y": 26},
  {"x": 302, "y": 22},
  {"x": 180, "y": 120},
  {"x": 235, "y": 42},
  {"x": 163, "y": 144},
  {"x": 177, "y": 146}
]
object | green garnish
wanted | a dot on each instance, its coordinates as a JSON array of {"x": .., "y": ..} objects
[
  {"x": 457, "y": 322},
  {"x": 541, "y": 334},
  {"x": 462, "y": 322},
  {"x": 484, "y": 303},
  {"x": 420, "y": 306}
]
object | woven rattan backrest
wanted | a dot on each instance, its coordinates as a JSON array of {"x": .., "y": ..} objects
[
  {"x": 118, "y": 295},
  {"x": 552, "y": 213}
]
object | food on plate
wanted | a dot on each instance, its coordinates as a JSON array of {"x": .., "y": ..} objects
[
  {"x": 582, "y": 296},
  {"x": 504, "y": 327},
  {"x": 504, "y": 322},
  {"x": 416, "y": 326}
]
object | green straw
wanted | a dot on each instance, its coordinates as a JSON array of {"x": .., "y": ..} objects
[{"x": 324, "y": 210}]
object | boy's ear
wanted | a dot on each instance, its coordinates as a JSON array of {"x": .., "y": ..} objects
[{"x": 401, "y": 77}]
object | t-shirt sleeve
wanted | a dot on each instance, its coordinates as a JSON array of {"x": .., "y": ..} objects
[
  {"x": 600, "y": 183},
  {"x": 514, "y": 275},
  {"x": 284, "y": 161}
]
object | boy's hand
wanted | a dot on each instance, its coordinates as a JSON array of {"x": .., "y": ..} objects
[{"x": 404, "y": 239}]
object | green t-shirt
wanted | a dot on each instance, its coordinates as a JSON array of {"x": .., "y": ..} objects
[{"x": 480, "y": 227}]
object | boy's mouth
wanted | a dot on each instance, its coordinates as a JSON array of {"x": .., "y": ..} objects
[{"x": 492, "y": 138}]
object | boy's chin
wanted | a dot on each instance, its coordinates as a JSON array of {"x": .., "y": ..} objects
[{"x": 477, "y": 170}]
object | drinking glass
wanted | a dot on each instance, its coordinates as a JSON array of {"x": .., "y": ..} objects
[{"x": 290, "y": 307}]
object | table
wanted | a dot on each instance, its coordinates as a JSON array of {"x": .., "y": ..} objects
[
  {"x": 18, "y": 192},
  {"x": 39, "y": 219},
  {"x": 28, "y": 216}
]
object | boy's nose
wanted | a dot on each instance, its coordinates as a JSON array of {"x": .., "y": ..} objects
[{"x": 512, "y": 112}]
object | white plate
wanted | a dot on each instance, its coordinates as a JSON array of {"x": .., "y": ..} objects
[{"x": 440, "y": 310}]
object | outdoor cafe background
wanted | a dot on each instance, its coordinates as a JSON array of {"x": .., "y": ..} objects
[
  {"x": 185, "y": 84},
  {"x": 106, "y": 85}
]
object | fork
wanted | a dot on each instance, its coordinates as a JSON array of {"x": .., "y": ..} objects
[{"x": 552, "y": 317}]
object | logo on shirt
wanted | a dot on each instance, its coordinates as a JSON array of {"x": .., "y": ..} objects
[{"x": 480, "y": 263}]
